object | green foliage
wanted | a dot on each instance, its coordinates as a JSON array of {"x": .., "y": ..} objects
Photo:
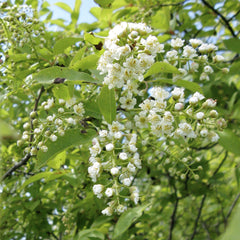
[
  {"x": 161, "y": 67},
  {"x": 107, "y": 104},
  {"x": 70, "y": 138},
  {"x": 56, "y": 107},
  {"x": 127, "y": 219},
  {"x": 48, "y": 75}
]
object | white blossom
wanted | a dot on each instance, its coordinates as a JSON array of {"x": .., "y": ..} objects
[
  {"x": 109, "y": 147},
  {"x": 114, "y": 171},
  {"x": 97, "y": 190},
  {"x": 107, "y": 211},
  {"x": 200, "y": 115},
  {"x": 109, "y": 192},
  {"x": 177, "y": 43},
  {"x": 123, "y": 156}
]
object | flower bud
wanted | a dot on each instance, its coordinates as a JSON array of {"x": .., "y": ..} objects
[
  {"x": 33, "y": 114},
  {"x": 179, "y": 106},
  {"x": 53, "y": 138},
  {"x": 109, "y": 147},
  {"x": 213, "y": 113},
  {"x": 114, "y": 171}
]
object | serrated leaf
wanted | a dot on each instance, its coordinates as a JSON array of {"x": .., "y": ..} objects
[
  {"x": 92, "y": 109},
  {"x": 64, "y": 43},
  {"x": 88, "y": 62},
  {"x": 107, "y": 104},
  {"x": 126, "y": 220},
  {"x": 64, "y": 6},
  {"x": 230, "y": 141},
  {"x": 61, "y": 91},
  {"x": 192, "y": 86},
  {"x": 90, "y": 233},
  {"x": 88, "y": 37},
  {"x": 161, "y": 67},
  {"x": 58, "y": 160},
  {"x": 104, "y": 3},
  {"x": 71, "y": 137},
  {"x": 47, "y": 76},
  {"x": 46, "y": 175},
  {"x": 233, "y": 44},
  {"x": 77, "y": 57},
  {"x": 161, "y": 19}
]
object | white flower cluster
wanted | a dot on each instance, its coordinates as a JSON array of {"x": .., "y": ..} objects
[
  {"x": 156, "y": 115},
  {"x": 165, "y": 117},
  {"x": 193, "y": 58},
  {"x": 64, "y": 116},
  {"x": 128, "y": 55},
  {"x": 114, "y": 153}
]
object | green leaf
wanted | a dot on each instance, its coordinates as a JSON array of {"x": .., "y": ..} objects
[
  {"x": 47, "y": 76},
  {"x": 230, "y": 141},
  {"x": 6, "y": 131},
  {"x": 61, "y": 91},
  {"x": 192, "y": 86},
  {"x": 31, "y": 205},
  {"x": 232, "y": 232},
  {"x": 161, "y": 67},
  {"x": 236, "y": 110},
  {"x": 46, "y": 175},
  {"x": 232, "y": 44},
  {"x": 77, "y": 57},
  {"x": 58, "y": 160},
  {"x": 126, "y": 219},
  {"x": 237, "y": 175},
  {"x": 88, "y": 62},
  {"x": 104, "y": 3},
  {"x": 76, "y": 11},
  {"x": 89, "y": 37},
  {"x": 64, "y": 6},
  {"x": 71, "y": 137},
  {"x": 90, "y": 233},
  {"x": 99, "y": 221},
  {"x": 92, "y": 109},
  {"x": 161, "y": 20},
  {"x": 64, "y": 43},
  {"x": 107, "y": 104},
  {"x": 58, "y": 22}
]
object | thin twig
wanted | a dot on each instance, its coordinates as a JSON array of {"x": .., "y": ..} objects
[
  {"x": 16, "y": 166},
  {"x": 174, "y": 213},
  {"x": 205, "y": 147},
  {"x": 173, "y": 219},
  {"x": 28, "y": 155},
  {"x": 172, "y": 4},
  {"x": 198, "y": 217},
  {"x": 221, "y": 16},
  {"x": 220, "y": 165},
  {"x": 204, "y": 197},
  {"x": 206, "y": 229},
  {"x": 54, "y": 236},
  {"x": 231, "y": 18},
  {"x": 232, "y": 206}
]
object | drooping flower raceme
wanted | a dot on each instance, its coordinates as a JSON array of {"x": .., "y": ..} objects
[
  {"x": 165, "y": 117},
  {"x": 114, "y": 153},
  {"x": 129, "y": 53}
]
